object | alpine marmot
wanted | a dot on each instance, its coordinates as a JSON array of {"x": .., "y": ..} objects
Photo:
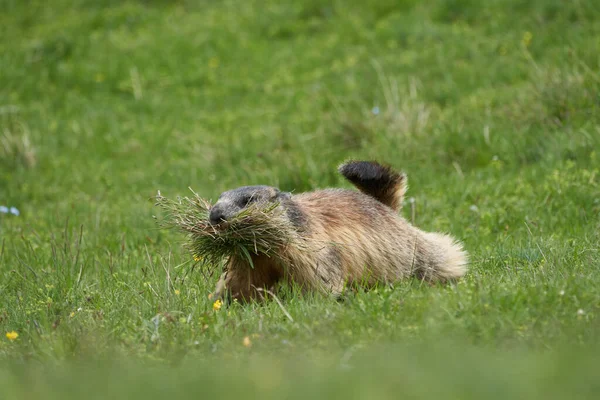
[{"x": 347, "y": 237}]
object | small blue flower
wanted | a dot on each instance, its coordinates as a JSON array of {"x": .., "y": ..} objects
[
  {"x": 375, "y": 110},
  {"x": 14, "y": 211},
  {"x": 3, "y": 209}
]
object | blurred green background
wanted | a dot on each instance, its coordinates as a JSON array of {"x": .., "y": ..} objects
[{"x": 491, "y": 108}]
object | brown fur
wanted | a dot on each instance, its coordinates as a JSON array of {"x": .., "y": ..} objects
[{"x": 348, "y": 238}]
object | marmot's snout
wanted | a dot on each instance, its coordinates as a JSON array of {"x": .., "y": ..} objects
[{"x": 217, "y": 214}]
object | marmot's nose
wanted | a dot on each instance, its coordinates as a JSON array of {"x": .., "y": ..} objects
[{"x": 216, "y": 215}]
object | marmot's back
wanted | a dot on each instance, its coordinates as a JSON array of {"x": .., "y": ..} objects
[{"x": 368, "y": 242}]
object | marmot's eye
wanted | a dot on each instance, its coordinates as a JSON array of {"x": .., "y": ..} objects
[{"x": 247, "y": 199}]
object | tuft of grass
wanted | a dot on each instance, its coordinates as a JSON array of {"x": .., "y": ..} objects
[
  {"x": 569, "y": 95},
  {"x": 16, "y": 148},
  {"x": 401, "y": 116}
]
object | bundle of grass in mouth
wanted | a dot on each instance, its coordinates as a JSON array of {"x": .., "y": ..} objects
[{"x": 260, "y": 229}]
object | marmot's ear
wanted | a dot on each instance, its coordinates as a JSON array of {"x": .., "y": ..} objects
[{"x": 282, "y": 195}]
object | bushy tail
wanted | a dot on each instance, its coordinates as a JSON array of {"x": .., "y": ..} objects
[
  {"x": 444, "y": 258},
  {"x": 376, "y": 180}
]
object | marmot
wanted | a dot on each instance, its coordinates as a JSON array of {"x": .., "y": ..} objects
[{"x": 347, "y": 237}]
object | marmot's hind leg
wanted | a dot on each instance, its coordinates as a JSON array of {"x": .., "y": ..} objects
[{"x": 376, "y": 180}]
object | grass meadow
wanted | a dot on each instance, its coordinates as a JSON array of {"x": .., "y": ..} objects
[{"x": 491, "y": 108}]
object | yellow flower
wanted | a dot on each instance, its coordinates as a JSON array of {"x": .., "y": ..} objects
[
  {"x": 213, "y": 62},
  {"x": 177, "y": 292},
  {"x": 12, "y": 335},
  {"x": 72, "y": 314},
  {"x": 527, "y": 36},
  {"x": 351, "y": 61},
  {"x": 196, "y": 258},
  {"x": 217, "y": 305},
  {"x": 247, "y": 342}
]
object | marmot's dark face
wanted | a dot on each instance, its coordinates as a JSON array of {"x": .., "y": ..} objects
[{"x": 232, "y": 202}]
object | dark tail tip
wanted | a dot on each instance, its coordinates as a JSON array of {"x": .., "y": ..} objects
[{"x": 376, "y": 180}]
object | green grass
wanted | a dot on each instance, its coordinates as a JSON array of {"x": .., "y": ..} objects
[{"x": 492, "y": 108}]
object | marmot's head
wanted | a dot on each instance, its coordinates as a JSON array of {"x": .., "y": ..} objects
[{"x": 232, "y": 202}]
